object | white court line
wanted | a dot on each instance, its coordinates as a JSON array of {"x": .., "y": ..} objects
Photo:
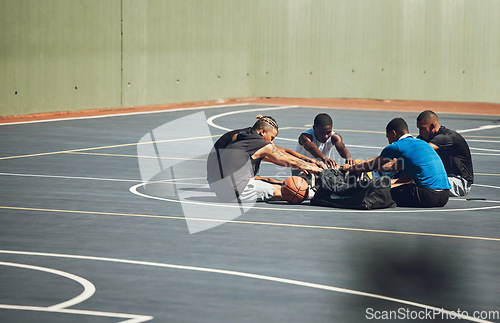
[
  {"x": 70, "y": 177},
  {"x": 489, "y": 186},
  {"x": 485, "y": 201},
  {"x": 106, "y": 179},
  {"x": 380, "y": 148},
  {"x": 253, "y": 276},
  {"x": 486, "y": 127},
  {"x": 132, "y": 318},
  {"x": 484, "y": 149},
  {"x": 210, "y": 120},
  {"x": 354, "y": 146},
  {"x": 88, "y": 287},
  {"x": 368, "y": 147},
  {"x": 485, "y": 154},
  {"x": 88, "y": 291},
  {"x": 488, "y": 141},
  {"x": 126, "y": 114},
  {"x": 133, "y": 190}
]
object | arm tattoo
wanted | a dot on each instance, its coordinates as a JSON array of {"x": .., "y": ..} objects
[
  {"x": 276, "y": 151},
  {"x": 301, "y": 163}
]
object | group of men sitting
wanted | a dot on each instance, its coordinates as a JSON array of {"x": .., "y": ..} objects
[{"x": 425, "y": 170}]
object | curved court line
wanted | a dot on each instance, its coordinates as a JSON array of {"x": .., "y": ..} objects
[
  {"x": 210, "y": 120},
  {"x": 133, "y": 190},
  {"x": 252, "y": 276},
  {"x": 88, "y": 287},
  {"x": 380, "y": 148},
  {"x": 347, "y": 145},
  {"x": 167, "y": 180}
]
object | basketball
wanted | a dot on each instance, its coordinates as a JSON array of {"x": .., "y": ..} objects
[{"x": 294, "y": 190}]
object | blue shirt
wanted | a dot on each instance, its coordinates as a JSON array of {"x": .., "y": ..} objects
[{"x": 418, "y": 159}]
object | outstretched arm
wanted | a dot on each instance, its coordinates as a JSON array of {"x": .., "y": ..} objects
[
  {"x": 376, "y": 163},
  {"x": 342, "y": 149},
  {"x": 271, "y": 153},
  {"x": 300, "y": 156},
  {"x": 270, "y": 180}
]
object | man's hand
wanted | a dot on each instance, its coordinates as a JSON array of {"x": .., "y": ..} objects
[
  {"x": 316, "y": 169},
  {"x": 330, "y": 163},
  {"x": 309, "y": 167},
  {"x": 350, "y": 161},
  {"x": 346, "y": 167},
  {"x": 320, "y": 164}
]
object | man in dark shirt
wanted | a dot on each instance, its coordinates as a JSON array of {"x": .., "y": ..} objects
[
  {"x": 229, "y": 136},
  {"x": 453, "y": 150},
  {"x": 235, "y": 159}
]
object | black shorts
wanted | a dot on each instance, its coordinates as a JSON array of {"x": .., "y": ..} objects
[{"x": 411, "y": 195}]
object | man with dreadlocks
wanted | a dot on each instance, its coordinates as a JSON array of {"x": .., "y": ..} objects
[{"x": 234, "y": 162}]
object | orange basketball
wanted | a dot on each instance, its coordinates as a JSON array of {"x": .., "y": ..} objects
[{"x": 294, "y": 190}]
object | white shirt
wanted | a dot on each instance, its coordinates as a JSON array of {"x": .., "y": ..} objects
[{"x": 324, "y": 147}]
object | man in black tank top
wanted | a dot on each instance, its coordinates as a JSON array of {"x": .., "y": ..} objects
[
  {"x": 231, "y": 171},
  {"x": 453, "y": 150}
]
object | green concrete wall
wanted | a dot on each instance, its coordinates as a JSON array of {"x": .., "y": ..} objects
[
  {"x": 59, "y": 55},
  {"x": 186, "y": 50},
  {"x": 385, "y": 49}
]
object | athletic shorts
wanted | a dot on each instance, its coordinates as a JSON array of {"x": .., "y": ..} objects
[
  {"x": 410, "y": 195},
  {"x": 257, "y": 190},
  {"x": 459, "y": 186}
]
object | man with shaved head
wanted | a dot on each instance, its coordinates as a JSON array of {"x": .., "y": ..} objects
[{"x": 453, "y": 150}]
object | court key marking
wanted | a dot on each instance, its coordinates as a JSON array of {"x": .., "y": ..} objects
[{"x": 62, "y": 308}]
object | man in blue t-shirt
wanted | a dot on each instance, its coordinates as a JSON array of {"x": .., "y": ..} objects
[{"x": 425, "y": 183}]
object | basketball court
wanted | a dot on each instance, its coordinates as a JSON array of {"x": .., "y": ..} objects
[{"x": 84, "y": 240}]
